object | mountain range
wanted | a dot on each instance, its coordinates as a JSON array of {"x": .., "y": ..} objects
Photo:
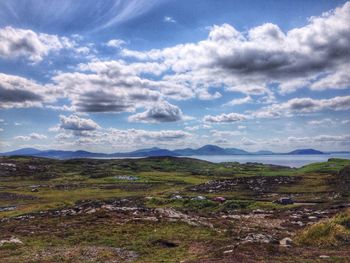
[{"x": 155, "y": 151}]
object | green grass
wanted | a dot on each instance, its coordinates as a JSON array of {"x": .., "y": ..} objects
[
  {"x": 65, "y": 183},
  {"x": 334, "y": 232}
]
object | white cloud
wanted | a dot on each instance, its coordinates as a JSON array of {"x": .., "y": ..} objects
[
  {"x": 32, "y": 136},
  {"x": 75, "y": 123},
  {"x": 320, "y": 139},
  {"x": 66, "y": 15},
  {"x": 224, "y": 134},
  {"x": 28, "y": 44},
  {"x": 240, "y": 101},
  {"x": 314, "y": 56},
  {"x": 116, "y": 43},
  {"x": 18, "y": 92},
  {"x": 248, "y": 62},
  {"x": 321, "y": 122},
  {"x": 304, "y": 105},
  {"x": 169, "y": 19},
  {"x": 121, "y": 139},
  {"x": 222, "y": 118},
  {"x": 339, "y": 79}
]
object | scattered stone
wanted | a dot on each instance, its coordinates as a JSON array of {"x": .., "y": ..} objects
[
  {"x": 126, "y": 177},
  {"x": 8, "y": 165},
  {"x": 12, "y": 240},
  {"x": 259, "y": 184},
  {"x": 286, "y": 242},
  {"x": 91, "y": 211},
  {"x": 7, "y": 208},
  {"x": 299, "y": 223},
  {"x": 257, "y": 238},
  {"x": 199, "y": 198},
  {"x": 220, "y": 199}
]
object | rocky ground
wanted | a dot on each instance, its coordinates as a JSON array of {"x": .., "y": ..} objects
[{"x": 156, "y": 216}]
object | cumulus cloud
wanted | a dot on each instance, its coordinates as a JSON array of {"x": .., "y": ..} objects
[
  {"x": 16, "y": 42},
  {"x": 222, "y": 118},
  {"x": 304, "y": 105},
  {"x": 339, "y": 79},
  {"x": 320, "y": 138},
  {"x": 115, "y": 86},
  {"x": 75, "y": 123},
  {"x": 161, "y": 112},
  {"x": 18, "y": 92},
  {"x": 224, "y": 134},
  {"x": 321, "y": 122},
  {"x": 116, "y": 43},
  {"x": 239, "y": 101},
  {"x": 32, "y": 136},
  {"x": 248, "y": 62},
  {"x": 314, "y": 56}
]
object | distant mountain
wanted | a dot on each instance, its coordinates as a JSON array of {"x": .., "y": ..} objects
[
  {"x": 234, "y": 151},
  {"x": 68, "y": 154},
  {"x": 305, "y": 151},
  {"x": 210, "y": 150},
  {"x": 23, "y": 151},
  {"x": 155, "y": 151},
  {"x": 145, "y": 150}
]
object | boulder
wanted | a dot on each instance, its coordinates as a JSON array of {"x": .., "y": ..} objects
[
  {"x": 286, "y": 242},
  {"x": 284, "y": 201},
  {"x": 12, "y": 240}
]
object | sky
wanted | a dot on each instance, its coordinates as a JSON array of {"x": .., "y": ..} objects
[{"x": 119, "y": 75}]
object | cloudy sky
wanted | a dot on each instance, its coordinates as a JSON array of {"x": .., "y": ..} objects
[{"x": 115, "y": 75}]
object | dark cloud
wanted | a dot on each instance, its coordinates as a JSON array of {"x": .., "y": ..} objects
[
  {"x": 99, "y": 101},
  {"x": 18, "y": 95},
  {"x": 18, "y": 92},
  {"x": 162, "y": 112}
]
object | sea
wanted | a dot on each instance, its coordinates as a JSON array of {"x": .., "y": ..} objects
[{"x": 276, "y": 159}]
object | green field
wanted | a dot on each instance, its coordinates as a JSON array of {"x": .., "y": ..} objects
[{"x": 166, "y": 209}]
